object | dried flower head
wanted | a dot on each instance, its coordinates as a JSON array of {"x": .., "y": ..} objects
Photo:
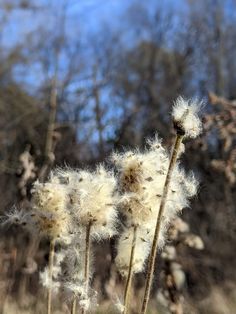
[
  {"x": 49, "y": 197},
  {"x": 49, "y": 215},
  {"x": 92, "y": 201},
  {"x": 185, "y": 117},
  {"x": 141, "y": 179}
]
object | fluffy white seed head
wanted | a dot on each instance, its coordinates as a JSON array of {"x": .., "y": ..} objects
[
  {"x": 52, "y": 225},
  {"x": 49, "y": 215},
  {"x": 49, "y": 197},
  {"x": 141, "y": 179},
  {"x": 185, "y": 114},
  {"x": 92, "y": 200}
]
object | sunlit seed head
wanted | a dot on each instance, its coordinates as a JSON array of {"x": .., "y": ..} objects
[
  {"x": 50, "y": 197},
  {"x": 185, "y": 114},
  {"x": 141, "y": 177},
  {"x": 140, "y": 206},
  {"x": 92, "y": 201},
  {"x": 49, "y": 215},
  {"x": 53, "y": 225}
]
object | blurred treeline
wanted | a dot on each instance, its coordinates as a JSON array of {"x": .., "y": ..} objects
[{"x": 71, "y": 92}]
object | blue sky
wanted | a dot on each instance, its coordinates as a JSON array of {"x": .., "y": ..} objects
[
  {"x": 83, "y": 18},
  {"x": 88, "y": 13}
]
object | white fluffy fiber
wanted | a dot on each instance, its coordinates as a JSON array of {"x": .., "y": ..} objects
[{"x": 185, "y": 115}]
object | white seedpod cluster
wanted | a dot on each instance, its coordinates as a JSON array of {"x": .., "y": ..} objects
[
  {"x": 49, "y": 213},
  {"x": 141, "y": 179},
  {"x": 92, "y": 207},
  {"x": 92, "y": 199},
  {"x": 77, "y": 206}
]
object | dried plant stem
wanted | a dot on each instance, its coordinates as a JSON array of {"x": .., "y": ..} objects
[
  {"x": 52, "y": 119},
  {"x": 130, "y": 273},
  {"x": 73, "y": 306},
  {"x": 50, "y": 265},
  {"x": 152, "y": 258},
  {"x": 48, "y": 159},
  {"x": 87, "y": 262}
]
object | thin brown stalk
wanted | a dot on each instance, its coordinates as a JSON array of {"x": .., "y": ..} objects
[
  {"x": 48, "y": 159},
  {"x": 152, "y": 258},
  {"x": 73, "y": 306},
  {"x": 98, "y": 111},
  {"x": 87, "y": 260},
  {"x": 130, "y": 273},
  {"x": 52, "y": 118},
  {"x": 50, "y": 266}
]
